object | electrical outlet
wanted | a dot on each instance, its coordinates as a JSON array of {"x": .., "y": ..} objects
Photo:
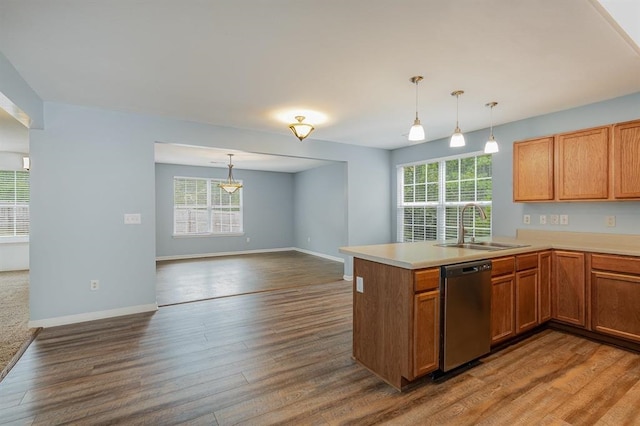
[
  {"x": 564, "y": 219},
  {"x": 543, "y": 219},
  {"x": 554, "y": 219},
  {"x": 610, "y": 221},
  {"x": 360, "y": 284},
  {"x": 132, "y": 218},
  {"x": 526, "y": 219},
  {"x": 94, "y": 285},
  {"x": 248, "y": 239},
  {"x": 308, "y": 239}
]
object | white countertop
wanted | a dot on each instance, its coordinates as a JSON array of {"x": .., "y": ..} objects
[{"x": 426, "y": 254}]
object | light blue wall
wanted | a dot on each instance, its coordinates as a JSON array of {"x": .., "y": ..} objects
[
  {"x": 321, "y": 209},
  {"x": 91, "y": 166},
  {"x": 15, "y": 88},
  {"x": 507, "y": 215},
  {"x": 268, "y": 212}
]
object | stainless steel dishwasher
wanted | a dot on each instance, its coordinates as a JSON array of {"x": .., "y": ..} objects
[{"x": 465, "y": 332}]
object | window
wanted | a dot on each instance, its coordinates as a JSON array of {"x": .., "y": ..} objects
[
  {"x": 14, "y": 203},
  {"x": 200, "y": 207},
  {"x": 431, "y": 195}
]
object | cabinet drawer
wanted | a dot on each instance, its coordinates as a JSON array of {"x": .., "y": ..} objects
[
  {"x": 624, "y": 264},
  {"x": 502, "y": 266},
  {"x": 526, "y": 261},
  {"x": 426, "y": 279}
]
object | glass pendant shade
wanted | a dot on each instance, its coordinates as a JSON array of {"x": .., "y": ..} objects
[
  {"x": 491, "y": 147},
  {"x": 457, "y": 139},
  {"x": 300, "y": 129},
  {"x": 416, "y": 133},
  {"x": 230, "y": 185}
]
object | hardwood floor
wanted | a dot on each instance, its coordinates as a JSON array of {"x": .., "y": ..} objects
[
  {"x": 180, "y": 281},
  {"x": 285, "y": 357}
]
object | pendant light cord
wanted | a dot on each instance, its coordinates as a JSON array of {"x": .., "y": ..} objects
[{"x": 417, "y": 81}]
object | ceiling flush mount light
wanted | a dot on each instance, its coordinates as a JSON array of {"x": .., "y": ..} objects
[
  {"x": 491, "y": 147},
  {"x": 300, "y": 129},
  {"x": 457, "y": 139},
  {"x": 230, "y": 185},
  {"x": 26, "y": 163},
  {"x": 416, "y": 133}
]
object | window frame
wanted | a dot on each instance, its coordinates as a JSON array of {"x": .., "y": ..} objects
[
  {"x": 15, "y": 204},
  {"x": 441, "y": 205},
  {"x": 210, "y": 209}
]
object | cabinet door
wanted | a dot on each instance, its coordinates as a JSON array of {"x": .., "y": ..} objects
[
  {"x": 533, "y": 170},
  {"x": 616, "y": 302},
  {"x": 582, "y": 161},
  {"x": 526, "y": 300},
  {"x": 544, "y": 286},
  {"x": 426, "y": 332},
  {"x": 502, "y": 313},
  {"x": 626, "y": 160},
  {"x": 569, "y": 288}
]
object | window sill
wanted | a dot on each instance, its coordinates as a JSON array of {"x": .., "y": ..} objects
[
  {"x": 14, "y": 240},
  {"x": 230, "y": 234}
]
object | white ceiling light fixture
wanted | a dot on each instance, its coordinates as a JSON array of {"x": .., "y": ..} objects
[
  {"x": 416, "y": 133},
  {"x": 457, "y": 139},
  {"x": 230, "y": 185},
  {"x": 300, "y": 129},
  {"x": 491, "y": 147}
]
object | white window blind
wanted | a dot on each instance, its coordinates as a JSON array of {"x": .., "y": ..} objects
[
  {"x": 200, "y": 207},
  {"x": 14, "y": 203},
  {"x": 431, "y": 195}
]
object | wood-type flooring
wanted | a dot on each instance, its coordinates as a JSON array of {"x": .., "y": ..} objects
[
  {"x": 284, "y": 357},
  {"x": 180, "y": 281}
]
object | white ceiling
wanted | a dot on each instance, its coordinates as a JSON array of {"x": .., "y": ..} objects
[{"x": 243, "y": 63}]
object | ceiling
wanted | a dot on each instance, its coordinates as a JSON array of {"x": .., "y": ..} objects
[{"x": 255, "y": 63}]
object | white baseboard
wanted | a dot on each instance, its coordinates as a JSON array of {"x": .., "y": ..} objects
[
  {"x": 325, "y": 256},
  {"x": 91, "y": 316},
  {"x": 347, "y": 277},
  {"x": 223, "y": 253}
]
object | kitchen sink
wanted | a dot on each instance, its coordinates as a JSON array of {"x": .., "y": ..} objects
[{"x": 483, "y": 245}]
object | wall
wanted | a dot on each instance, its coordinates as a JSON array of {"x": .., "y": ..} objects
[
  {"x": 95, "y": 165},
  {"x": 321, "y": 209},
  {"x": 507, "y": 215},
  {"x": 18, "y": 91},
  {"x": 268, "y": 212}
]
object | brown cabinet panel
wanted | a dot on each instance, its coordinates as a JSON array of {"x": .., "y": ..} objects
[
  {"x": 626, "y": 157},
  {"x": 614, "y": 263},
  {"x": 582, "y": 164},
  {"x": 426, "y": 332},
  {"x": 426, "y": 279},
  {"x": 526, "y": 300},
  {"x": 526, "y": 261},
  {"x": 569, "y": 288},
  {"x": 533, "y": 170},
  {"x": 544, "y": 286},
  {"x": 502, "y": 308},
  {"x": 616, "y": 304},
  {"x": 502, "y": 266}
]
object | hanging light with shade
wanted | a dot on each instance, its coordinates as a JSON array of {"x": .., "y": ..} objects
[
  {"x": 457, "y": 139},
  {"x": 491, "y": 147},
  {"x": 230, "y": 185},
  {"x": 416, "y": 133}
]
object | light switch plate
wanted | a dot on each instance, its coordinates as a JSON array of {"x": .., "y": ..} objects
[
  {"x": 564, "y": 219},
  {"x": 132, "y": 218},
  {"x": 543, "y": 219},
  {"x": 554, "y": 219},
  {"x": 610, "y": 221}
]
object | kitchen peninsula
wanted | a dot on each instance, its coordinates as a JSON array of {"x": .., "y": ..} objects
[{"x": 583, "y": 283}]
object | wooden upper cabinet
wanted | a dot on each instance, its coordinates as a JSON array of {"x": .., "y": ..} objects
[
  {"x": 582, "y": 164},
  {"x": 533, "y": 170},
  {"x": 626, "y": 160}
]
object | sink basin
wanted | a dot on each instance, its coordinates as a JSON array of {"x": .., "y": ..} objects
[{"x": 483, "y": 245}]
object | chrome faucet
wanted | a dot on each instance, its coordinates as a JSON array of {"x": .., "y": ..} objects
[{"x": 461, "y": 231}]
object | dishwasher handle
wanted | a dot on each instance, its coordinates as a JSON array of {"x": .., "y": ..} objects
[{"x": 466, "y": 268}]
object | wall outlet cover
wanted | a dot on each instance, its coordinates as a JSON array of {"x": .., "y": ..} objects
[
  {"x": 360, "y": 284},
  {"x": 543, "y": 219},
  {"x": 610, "y": 221},
  {"x": 564, "y": 219},
  {"x": 555, "y": 219},
  {"x": 526, "y": 219}
]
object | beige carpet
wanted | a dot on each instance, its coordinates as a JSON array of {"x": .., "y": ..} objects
[{"x": 15, "y": 335}]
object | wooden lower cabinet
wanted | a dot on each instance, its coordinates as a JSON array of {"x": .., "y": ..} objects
[
  {"x": 502, "y": 312},
  {"x": 544, "y": 286},
  {"x": 426, "y": 332},
  {"x": 526, "y": 300},
  {"x": 616, "y": 304},
  {"x": 569, "y": 288}
]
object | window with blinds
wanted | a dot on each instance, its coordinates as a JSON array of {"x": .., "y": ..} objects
[
  {"x": 14, "y": 203},
  {"x": 431, "y": 195},
  {"x": 200, "y": 207}
]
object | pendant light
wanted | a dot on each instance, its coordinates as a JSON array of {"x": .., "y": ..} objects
[
  {"x": 491, "y": 147},
  {"x": 416, "y": 133},
  {"x": 230, "y": 185},
  {"x": 457, "y": 139},
  {"x": 300, "y": 129}
]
